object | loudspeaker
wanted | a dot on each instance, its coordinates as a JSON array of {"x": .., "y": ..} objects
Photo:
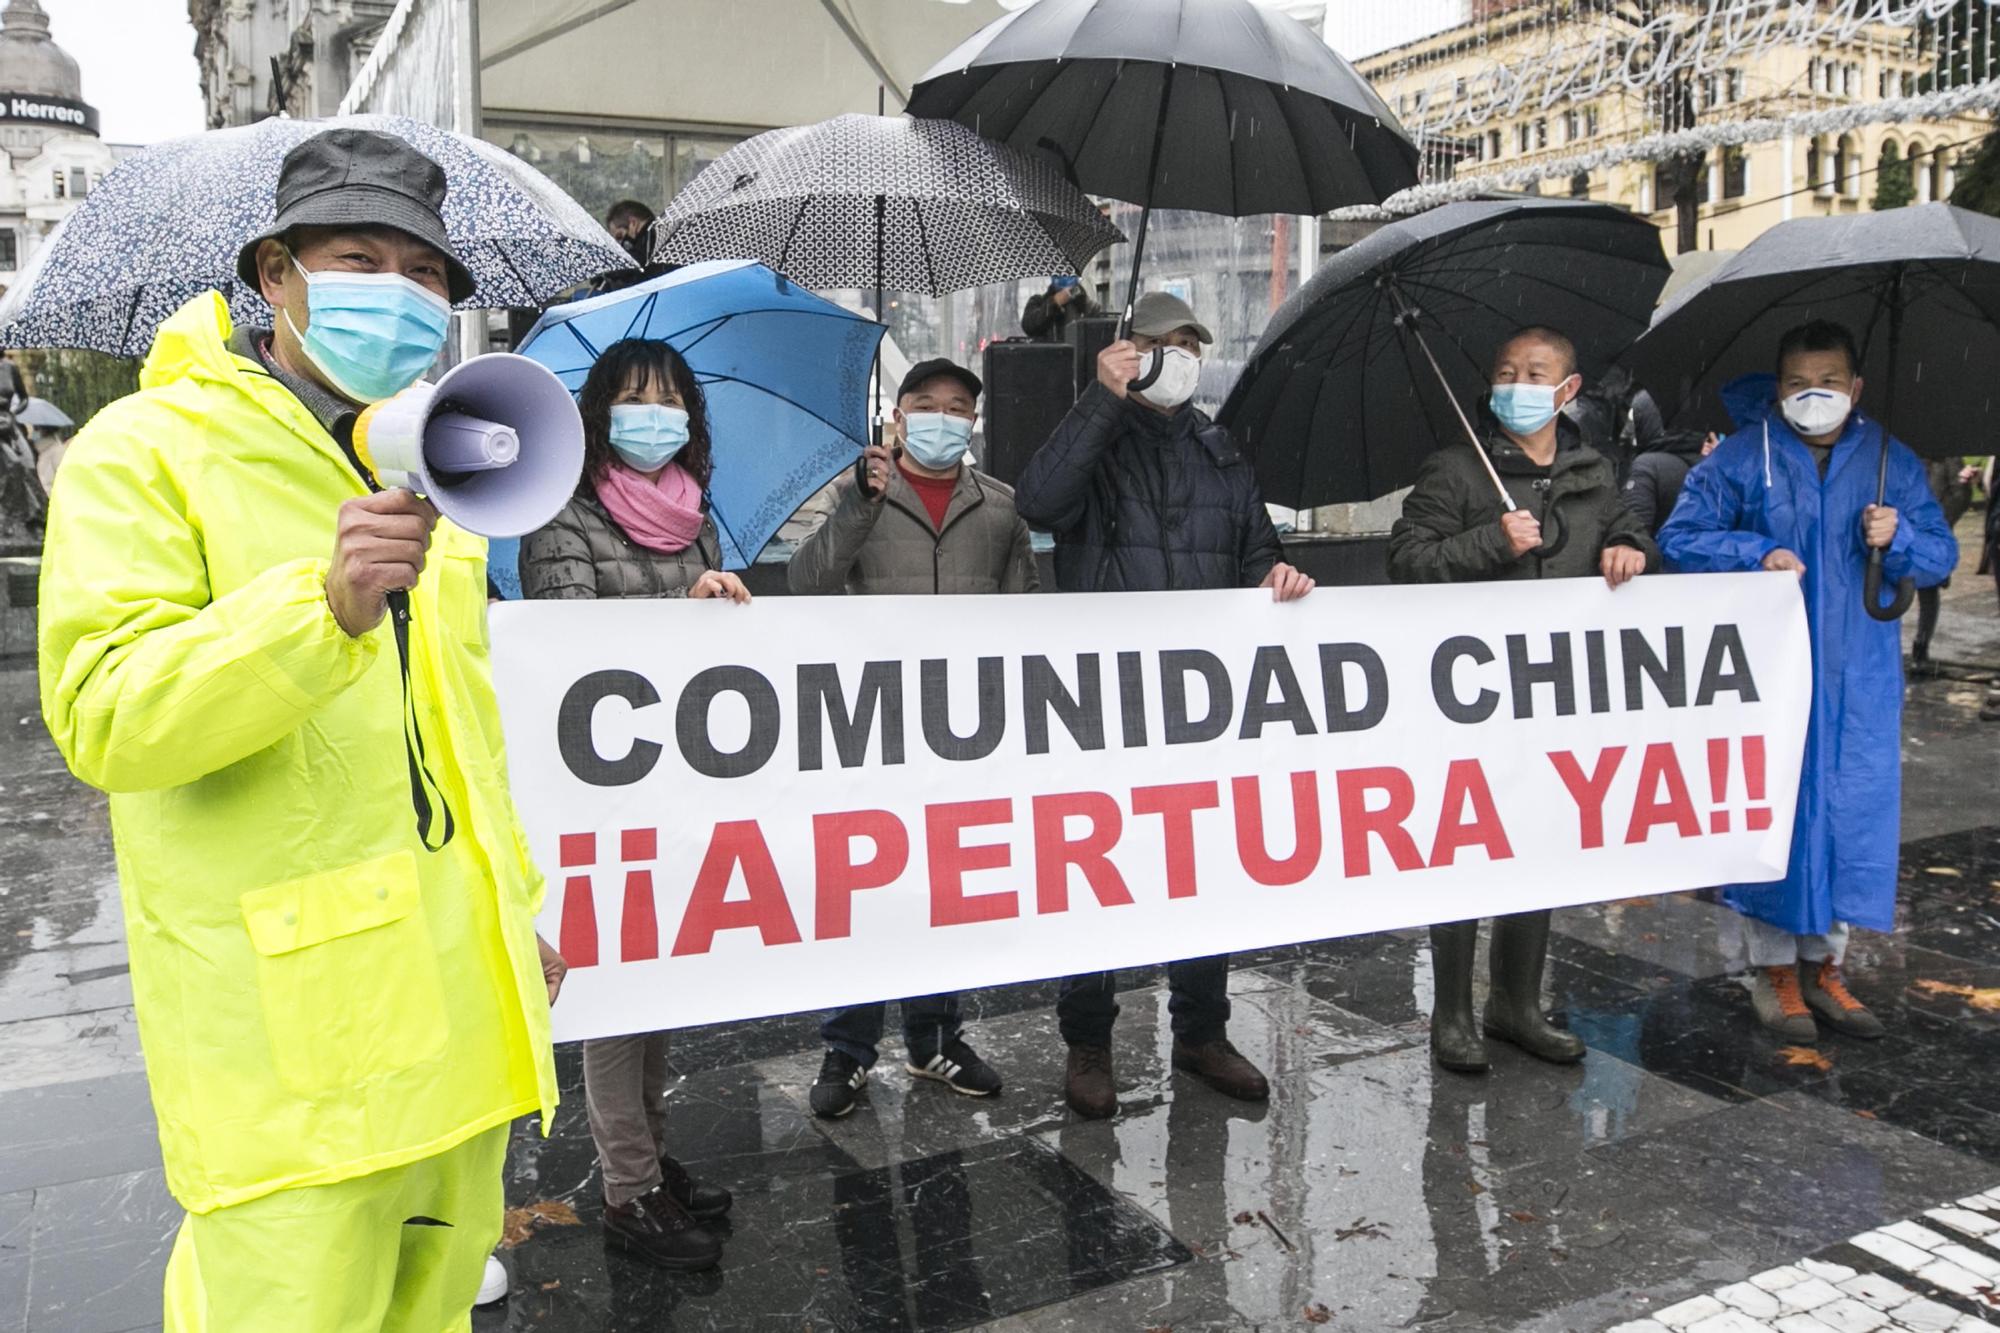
[
  {"x": 496, "y": 445},
  {"x": 1091, "y": 334},
  {"x": 1030, "y": 387}
]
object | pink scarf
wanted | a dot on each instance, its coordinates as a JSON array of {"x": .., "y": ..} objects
[{"x": 662, "y": 515}]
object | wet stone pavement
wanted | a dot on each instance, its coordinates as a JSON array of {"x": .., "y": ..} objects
[{"x": 1689, "y": 1175}]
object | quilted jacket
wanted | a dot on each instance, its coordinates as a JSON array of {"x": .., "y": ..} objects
[
  {"x": 1141, "y": 502},
  {"x": 584, "y": 553}
]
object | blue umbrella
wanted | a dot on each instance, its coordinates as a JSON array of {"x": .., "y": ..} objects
[{"x": 785, "y": 373}]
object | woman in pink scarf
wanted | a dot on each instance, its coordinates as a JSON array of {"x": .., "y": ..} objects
[{"x": 638, "y": 526}]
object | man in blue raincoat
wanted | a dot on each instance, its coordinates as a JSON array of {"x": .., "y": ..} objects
[{"x": 1794, "y": 489}]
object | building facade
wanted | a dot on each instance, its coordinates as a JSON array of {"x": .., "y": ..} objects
[
  {"x": 263, "y": 58},
  {"x": 1741, "y": 190},
  {"x": 48, "y": 135}
]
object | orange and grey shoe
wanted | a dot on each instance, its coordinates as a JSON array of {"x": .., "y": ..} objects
[
  {"x": 1827, "y": 994},
  {"x": 1776, "y": 995}
]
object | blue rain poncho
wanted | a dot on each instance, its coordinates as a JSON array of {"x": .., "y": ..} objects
[{"x": 1761, "y": 491}]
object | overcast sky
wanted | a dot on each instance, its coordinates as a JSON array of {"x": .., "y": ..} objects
[
  {"x": 138, "y": 64},
  {"x": 1360, "y": 28}
]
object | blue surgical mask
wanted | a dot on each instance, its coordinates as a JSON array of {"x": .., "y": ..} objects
[
  {"x": 648, "y": 435},
  {"x": 372, "y": 335},
  {"x": 1524, "y": 408},
  {"x": 937, "y": 440}
]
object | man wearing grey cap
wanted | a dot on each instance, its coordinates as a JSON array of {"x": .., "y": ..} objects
[
  {"x": 327, "y": 896},
  {"x": 1144, "y": 493}
]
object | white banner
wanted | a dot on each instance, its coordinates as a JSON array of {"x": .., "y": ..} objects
[{"x": 810, "y": 802}]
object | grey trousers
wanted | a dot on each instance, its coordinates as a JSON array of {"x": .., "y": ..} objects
[
  {"x": 1774, "y": 946},
  {"x": 625, "y": 1090}
]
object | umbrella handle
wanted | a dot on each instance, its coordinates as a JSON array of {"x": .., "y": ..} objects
[
  {"x": 1406, "y": 318},
  {"x": 1871, "y": 579},
  {"x": 1871, "y": 591}
]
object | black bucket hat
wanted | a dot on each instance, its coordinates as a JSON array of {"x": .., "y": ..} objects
[{"x": 350, "y": 177}]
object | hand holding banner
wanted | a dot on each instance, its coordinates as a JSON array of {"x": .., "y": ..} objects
[{"x": 815, "y": 802}]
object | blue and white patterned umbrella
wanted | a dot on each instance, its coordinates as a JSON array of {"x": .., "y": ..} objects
[{"x": 165, "y": 225}]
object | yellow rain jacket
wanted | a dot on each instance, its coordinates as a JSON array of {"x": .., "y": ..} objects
[{"x": 318, "y": 996}]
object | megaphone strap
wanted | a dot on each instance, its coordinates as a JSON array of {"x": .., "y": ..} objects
[
  {"x": 358, "y": 442},
  {"x": 423, "y": 785}
]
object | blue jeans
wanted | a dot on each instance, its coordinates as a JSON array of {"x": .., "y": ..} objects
[
  {"x": 929, "y": 1021},
  {"x": 1198, "y": 1002}
]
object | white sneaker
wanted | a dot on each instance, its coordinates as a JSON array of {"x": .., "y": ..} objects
[{"x": 492, "y": 1287}]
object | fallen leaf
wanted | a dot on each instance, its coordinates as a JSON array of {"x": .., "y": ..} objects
[
  {"x": 1649, "y": 937},
  {"x": 1986, "y": 997},
  {"x": 520, "y": 1223},
  {"x": 1991, "y": 1295},
  {"x": 1524, "y": 1217},
  {"x": 1949, "y": 872},
  {"x": 1557, "y": 1253},
  {"x": 1804, "y": 1056},
  {"x": 1362, "y": 1227},
  {"x": 1243, "y": 1218},
  {"x": 1475, "y": 1188},
  {"x": 1318, "y": 1314},
  {"x": 1866, "y": 1115},
  {"x": 552, "y": 1284}
]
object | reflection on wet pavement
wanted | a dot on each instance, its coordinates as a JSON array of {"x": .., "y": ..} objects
[{"x": 1685, "y": 1156}]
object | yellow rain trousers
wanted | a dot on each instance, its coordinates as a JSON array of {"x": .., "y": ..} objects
[
  {"x": 319, "y": 998},
  {"x": 319, "y": 1259}
]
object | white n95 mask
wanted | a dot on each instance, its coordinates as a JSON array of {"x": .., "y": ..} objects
[
  {"x": 1168, "y": 376},
  {"x": 1816, "y": 411}
]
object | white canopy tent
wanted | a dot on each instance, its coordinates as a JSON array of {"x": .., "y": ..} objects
[{"x": 744, "y": 66}]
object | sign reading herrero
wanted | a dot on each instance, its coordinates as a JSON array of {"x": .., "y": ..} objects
[{"x": 37, "y": 109}]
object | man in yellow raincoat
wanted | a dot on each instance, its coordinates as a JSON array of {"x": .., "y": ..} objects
[{"x": 342, "y": 1004}]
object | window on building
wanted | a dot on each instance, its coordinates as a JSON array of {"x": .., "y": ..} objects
[
  {"x": 10, "y": 253},
  {"x": 1572, "y": 123},
  {"x": 1579, "y": 185},
  {"x": 1522, "y": 137},
  {"x": 1493, "y": 145},
  {"x": 599, "y": 168},
  {"x": 1887, "y": 84},
  {"x": 1541, "y": 132},
  {"x": 1734, "y": 84},
  {"x": 61, "y": 184},
  {"x": 1735, "y": 173},
  {"x": 79, "y": 182}
]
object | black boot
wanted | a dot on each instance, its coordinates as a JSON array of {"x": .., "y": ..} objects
[
  {"x": 659, "y": 1231},
  {"x": 1514, "y": 1001},
  {"x": 700, "y": 1199},
  {"x": 1454, "y": 1036}
]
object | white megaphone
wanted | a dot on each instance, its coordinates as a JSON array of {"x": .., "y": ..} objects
[{"x": 496, "y": 445}]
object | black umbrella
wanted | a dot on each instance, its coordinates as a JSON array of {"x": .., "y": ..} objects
[
  {"x": 1220, "y": 106},
  {"x": 1937, "y": 265},
  {"x": 1362, "y": 372}
]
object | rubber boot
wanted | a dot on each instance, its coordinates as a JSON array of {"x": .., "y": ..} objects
[
  {"x": 1455, "y": 1037},
  {"x": 1514, "y": 1001}
]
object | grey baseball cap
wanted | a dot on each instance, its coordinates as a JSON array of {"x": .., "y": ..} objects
[
  {"x": 1156, "y": 314},
  {"x": 350, "y": 177}
]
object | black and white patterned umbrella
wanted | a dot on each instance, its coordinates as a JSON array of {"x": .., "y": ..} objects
[
  {"x": 165, "y": 225},
  {"x": 885, "y": 202}
]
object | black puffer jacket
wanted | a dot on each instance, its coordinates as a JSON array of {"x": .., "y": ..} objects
[
  {"x": 1450, "y": 529},
  {"x": 1140, "y": 502},
  {"x": 584, "y": 553}
]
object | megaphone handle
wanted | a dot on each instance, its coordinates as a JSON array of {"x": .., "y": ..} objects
[{"x": 422, "y": 783}]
